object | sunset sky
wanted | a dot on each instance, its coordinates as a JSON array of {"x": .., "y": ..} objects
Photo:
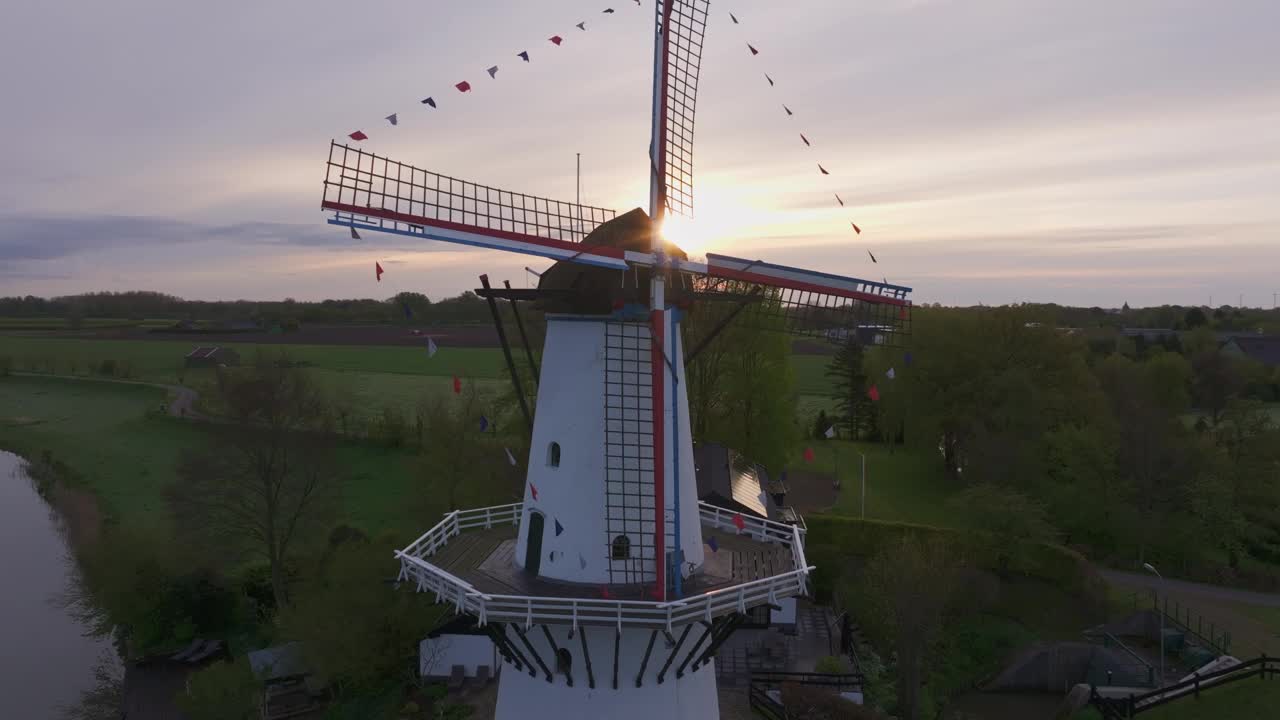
[{"x": 1089, "y": 152}]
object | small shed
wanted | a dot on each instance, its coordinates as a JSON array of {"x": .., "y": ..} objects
[{"x": 212, "y": 356}]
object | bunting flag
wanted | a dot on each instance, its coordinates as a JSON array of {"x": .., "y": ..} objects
[
  {"x": 789, "y": 113},
  {"x": 856, "y": 229},
  {"x": 604, "y": 592},
  {"x": 408, "y": 311},
  {"x": 808, "y": 455},
  {"x": 711, "y": 543},
  {"x": 839, "y": 200},
  {"x": 431, "y": 348},
  {"x": 377, "y": 267},
  {"x": 752, "y": 49},
  {"x": 608, "y": 11},
  {"x": 358, "y": 136},
  {"x": 734, "y": 19},
  {"x": 354, "y": 235},
  {"x": 533, "y": 490},
  {"x": 484, "y": 423},
  {"x": 891, "y": 374},
  {"x": 556, "y": 40},
  {"x": 582, "y": 562},
  {"x": 874, "y": 393},
  {"x": 457, "y": 385},
  {"x": 831, "y": 432},
  {"x": 429, "y": 101},
  {"x": 824, "y": 170},
  {"x": 559, "y": 528},
  {"x": 738, "y": 522},
  {"x": 510, "y": 458},
  {"x": 581, "y": 26},
  {"x": 392, "y": 119},
  {"x": 805, "y": 139},
  {"x": 906, "y": 359},
  {"x": 873, "y": 255},
  {"x": 493, "y": 72},
  {"x": 766, "y": 77},
  {"x": 523, "y": 55},
  {"x": 463, "y": 86}
]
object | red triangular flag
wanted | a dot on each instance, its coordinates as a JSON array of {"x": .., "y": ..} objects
[
  {"x": 463, "y": 86},
  {"x": 855, "y": 227},
  {"x": 533, "y": 490},
  {"x": 457, "y": 385},
  {"x": 738, "y": 522},
  {"x": 377, "y": 270},
  {"x": 357, "y": 135},
  {"x": 808, "y": 454},
  {"x": 753, "y": 50},
  {"x": 873, "y": 393},
  {"x": 604, "y": 592},
  {"x": 556, "y": 39}
]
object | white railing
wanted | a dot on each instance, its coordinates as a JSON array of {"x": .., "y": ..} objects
[{"x": 528, "y": 609}]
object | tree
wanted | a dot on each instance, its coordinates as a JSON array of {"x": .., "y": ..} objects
[
  {"x": 267, "y": 480},
  {"x": 1217, "y": 381},
  {"x": 909, "y": 588},
  {"x": 453, "y": 446},
  {"x": 1195, "y": 318},
  {"x": 1010, "y": 519},
  {"x": 849, "y": 381},
  {"x": 357, "y": 630}
]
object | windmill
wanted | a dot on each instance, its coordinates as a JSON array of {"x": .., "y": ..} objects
[{"x": 610, "y": 588}]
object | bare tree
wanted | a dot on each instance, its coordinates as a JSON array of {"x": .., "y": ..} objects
[
  {"x": 453, "y": 445},
  {"x": 267, "y": 479}
]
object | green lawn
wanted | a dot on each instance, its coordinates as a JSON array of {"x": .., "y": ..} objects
[
  {"x": 127, "y": 456},
  {"x": 161, "y": 360},
  {"x": 1241, "y": 700},
  {"x": 810, "y": 372},
  {"x": 903, "y": 485}
]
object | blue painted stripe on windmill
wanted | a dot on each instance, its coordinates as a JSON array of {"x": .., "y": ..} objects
[
  {"x": 816, "y": 273},
  {"x": 595, "y": 260}
]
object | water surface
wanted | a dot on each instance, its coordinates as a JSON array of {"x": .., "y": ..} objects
[{"x": 46, "y": 659}]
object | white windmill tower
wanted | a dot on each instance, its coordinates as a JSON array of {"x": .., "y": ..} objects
[{"x": 609, "y": 589}]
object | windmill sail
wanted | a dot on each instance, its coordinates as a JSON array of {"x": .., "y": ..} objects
[
  {"x": 681, "y": 27},
  {"x": 370, "y": 192}
]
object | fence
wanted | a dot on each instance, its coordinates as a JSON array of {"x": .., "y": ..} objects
[
  {"x": 764, "y": 691},
  {"x": 1261, "y": 667},
  {"x": 1182, "y": 618}
]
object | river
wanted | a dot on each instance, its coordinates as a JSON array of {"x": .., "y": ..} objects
[{"x": 46, "y": 659}]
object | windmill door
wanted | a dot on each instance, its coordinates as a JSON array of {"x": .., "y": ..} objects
[{"x": 533, "y": 544}]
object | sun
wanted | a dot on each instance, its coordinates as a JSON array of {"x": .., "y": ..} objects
[{"x": 685, "y": 233}]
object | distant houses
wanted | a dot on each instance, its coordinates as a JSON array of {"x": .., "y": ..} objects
[{"x": 212, "y": 356}]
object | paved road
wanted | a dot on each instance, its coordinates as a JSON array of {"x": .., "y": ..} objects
[{"x": 1191, "y": 589}]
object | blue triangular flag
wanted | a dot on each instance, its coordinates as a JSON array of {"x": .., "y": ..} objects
[
  {"x": 408, "y": 311},
  {"x": 429, "y": 101},
  {"x": 524, "y": 55},
  {"x": 484, "y": 423},
  {"x": 907, "y": 359},
  {"x": 559, "y": 528},
  {"x": 711, "y": 541}
]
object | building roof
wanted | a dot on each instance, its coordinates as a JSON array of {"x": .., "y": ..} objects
[
  {"x": 1263, "y": 348},
  {"x": 725, "y": 479}
]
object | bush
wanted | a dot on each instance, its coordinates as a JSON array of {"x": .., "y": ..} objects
[
  {"x": 222, "y": 691},
  {"x": 6, "y": 365},
  {"x": 107, "y": 367}
]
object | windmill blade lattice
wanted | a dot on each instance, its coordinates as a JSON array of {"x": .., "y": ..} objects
[
  {"x": 682, "y": 25},
  {"x": 368, "y": 191}
]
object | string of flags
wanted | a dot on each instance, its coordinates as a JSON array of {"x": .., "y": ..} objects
[
  {"x": 803, "y": 137},
  {"x": 465, "y": 86}
]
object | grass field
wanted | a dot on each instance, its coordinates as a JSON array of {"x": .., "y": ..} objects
[
  {"x": 40, "y": 323},
  {"x": 1241, "y": 700},
  {"x": 902, "y": 485},
  {"x": 132, "y": 454}
]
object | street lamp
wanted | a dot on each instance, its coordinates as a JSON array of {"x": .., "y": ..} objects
[
  {"x": 1151, "y": 569},
  {"x": 864, "y": 485}
]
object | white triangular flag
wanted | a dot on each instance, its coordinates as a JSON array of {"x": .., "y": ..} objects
[
  {"x": 891, "y": 374},
  {"x": 392, "y": 119},
  {"x": 510, "y": 458},
  {"x": 431, "y": 348},
  {"x": 831, "y": 432}
]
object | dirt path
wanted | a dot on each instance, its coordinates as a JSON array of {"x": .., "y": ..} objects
[{"x": 182, "y": 402}]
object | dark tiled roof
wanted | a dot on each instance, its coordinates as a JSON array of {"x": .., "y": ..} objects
[
  {"x": 722, "y": 474},
  {"x": 1263, "y": 348}
]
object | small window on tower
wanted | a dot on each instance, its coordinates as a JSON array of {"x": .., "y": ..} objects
[
  {"x": 621, "y": 548},
  {"x": 553, "y": 455}
]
